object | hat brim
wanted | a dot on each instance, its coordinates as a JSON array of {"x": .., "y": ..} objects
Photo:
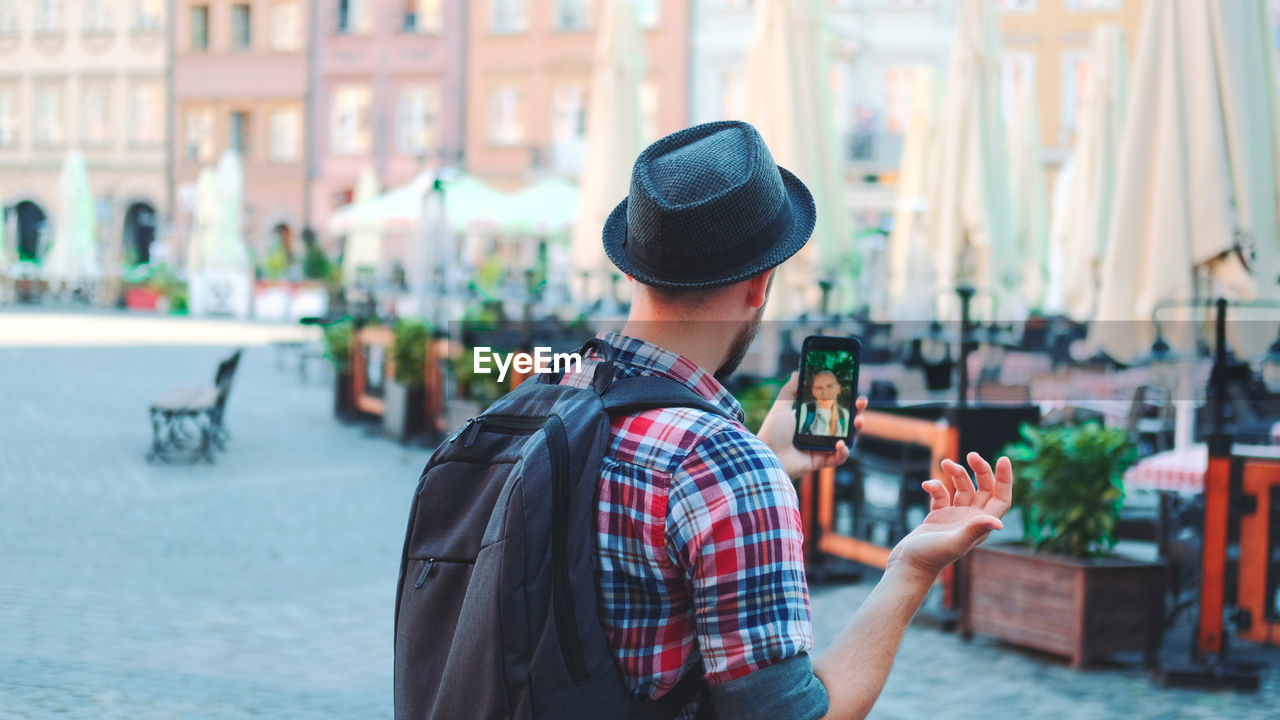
[{"x": 804, "y": 216}]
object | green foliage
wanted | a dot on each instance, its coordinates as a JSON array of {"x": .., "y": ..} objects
[
  {"x": 409, "y": 350},
  {"x": 315, "y": 263},
  {"x": 756, "y": 400},
  {"x": 1067, "y": 481},
  {"x": 338, "y": 339},
  {"x": 277, "y": 262},
  {"x": 164, "y": 279}
]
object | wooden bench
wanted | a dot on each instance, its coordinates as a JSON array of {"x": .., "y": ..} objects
[{"x": 189, "y": 421}]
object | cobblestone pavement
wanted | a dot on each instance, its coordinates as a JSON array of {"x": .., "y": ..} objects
[{"x": 262, "y": 586}]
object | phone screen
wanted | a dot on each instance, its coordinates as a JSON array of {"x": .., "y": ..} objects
[{"x": 828, "y": 386}]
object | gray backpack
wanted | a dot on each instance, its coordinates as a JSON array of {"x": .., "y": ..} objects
[{"x": 497, "y": 607}]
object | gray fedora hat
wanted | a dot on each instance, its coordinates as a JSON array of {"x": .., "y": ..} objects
[{"x": 708, "y": 207}]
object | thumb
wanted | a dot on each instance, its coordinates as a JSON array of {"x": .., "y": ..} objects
[{"x": 979, "y": 527}]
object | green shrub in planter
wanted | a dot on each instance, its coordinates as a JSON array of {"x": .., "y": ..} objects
[
  {"x": 409, "y": 350},
  {"x": 338, "y": 340},
  {"x": 1068, "y": 484},
  {"x": 756, "y": 400}
]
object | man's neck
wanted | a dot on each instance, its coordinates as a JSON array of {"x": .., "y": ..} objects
[{"x": 706, "y": 344}]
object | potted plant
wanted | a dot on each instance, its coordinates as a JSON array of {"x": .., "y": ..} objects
[
  {"x": 406, "y": 401},
  {"x": 339, "y": 338},
  {"x": 1063, "y": 590}
]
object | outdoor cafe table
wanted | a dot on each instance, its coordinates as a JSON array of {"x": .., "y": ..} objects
[{"x": 1182, "y": 470}]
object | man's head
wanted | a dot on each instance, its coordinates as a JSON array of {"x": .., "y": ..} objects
[{"x": 708, "y": 217}]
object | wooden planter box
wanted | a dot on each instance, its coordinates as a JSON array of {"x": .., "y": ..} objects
[
  {"x": 404, "y": 414},
  {"x": 1080, "y": 609}
]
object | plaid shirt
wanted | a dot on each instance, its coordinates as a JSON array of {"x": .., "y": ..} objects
[{"x": 699, "y": 538}]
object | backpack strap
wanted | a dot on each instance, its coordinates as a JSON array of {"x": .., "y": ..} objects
[{"x": 648, "y": 392}]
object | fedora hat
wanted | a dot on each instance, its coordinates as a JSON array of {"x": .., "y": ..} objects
[{"x": 708, "y": 207}]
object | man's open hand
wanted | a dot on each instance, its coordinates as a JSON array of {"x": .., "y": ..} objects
[
  {"x": 957, "y": 521},
  {"x": 779, "y": 428}
]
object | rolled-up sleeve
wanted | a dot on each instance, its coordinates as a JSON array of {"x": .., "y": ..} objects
[{"x": 733, "y": 528}]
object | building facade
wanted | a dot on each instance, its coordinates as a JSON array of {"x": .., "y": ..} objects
[
  {"x": 388, "y": 93},
  {"x": 1046, "y": 43},
  {"x": 240, "y": 79},
  {"x": 529, "y": 66},
  {"x": 87, "y": 76}
]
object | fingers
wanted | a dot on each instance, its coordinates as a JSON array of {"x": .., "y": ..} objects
[
  {"x": 960, "y": 481},
  {"x": 980, "y": 527},
  {"x": 939, "y": 498},
  {"x": 822, "y": 460},
  {"x": 860, "y": 405},
  {"x": 982, "y": 471},
  {"x": 841, "y": 455},
  {"x": 1002, "y": 495}
]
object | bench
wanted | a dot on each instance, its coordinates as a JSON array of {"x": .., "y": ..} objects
[{"x": 189, "y": 421}]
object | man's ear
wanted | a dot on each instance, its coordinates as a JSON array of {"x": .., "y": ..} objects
[{"x": 758, "y": 289}]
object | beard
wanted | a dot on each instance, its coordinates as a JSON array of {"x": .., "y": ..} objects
[{"x": 738, "y": 350}]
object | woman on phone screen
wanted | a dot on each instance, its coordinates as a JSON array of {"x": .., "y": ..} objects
[{"x": 822, "y": 415}]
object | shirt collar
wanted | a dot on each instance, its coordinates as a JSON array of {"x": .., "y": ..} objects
[{"x": 652, "y": 359}]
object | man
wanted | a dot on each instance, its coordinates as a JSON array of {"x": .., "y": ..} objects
[{"x": 699, "y": 539}]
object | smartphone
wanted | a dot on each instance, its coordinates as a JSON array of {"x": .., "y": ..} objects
[{"x": 828, "y": 386}]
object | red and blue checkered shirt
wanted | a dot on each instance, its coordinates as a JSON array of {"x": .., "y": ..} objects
[{"x": 699, "y": 538}]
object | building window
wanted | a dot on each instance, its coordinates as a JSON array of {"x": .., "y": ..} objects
[
  {"x": 95, "y": 115},
  {"x": 200, "y": 134},
  {"x": 573, "y": 15},
  {"x": 418, "y": 118},
  {"x": 568, "y": 126},
  {"x": 241, "y": 27},
  {"x": 1075, "y": 77},
  {"x": 508, "y": 16},
  {"x": 8, "y": 17},
  {"x": 49, "y": 130},
  {"x": 199, "y": 28},
  {"x": 353, "y": 17},
  {"x": 97, "y": 16},
  {"x": 148, "y": 14},
  {"x": 146, "y": 114},
  {"x": 286, "y": 27},
  {"x": 349, "y": 131},
  {"x": 1018, "y": 6},
  {"x": 1094, "y": 5},
  {"x": 423, "y": 16},
  {"x": 238, "y": 133},
  {"x": 504, "y": 116},
  {"x": 48, "y": 16},
  {"x": 1017, "y": 75},
  {"x": 286, "y": 132},
  {"x": 8, "y": 117},
  {"x": 648, "y": 13}
]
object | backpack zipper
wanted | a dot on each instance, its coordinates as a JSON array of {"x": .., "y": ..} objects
[
  {"x": 507, "y": 424},
  {"x": 426, "y": 570},
  {"x": 566, "y": 617}
]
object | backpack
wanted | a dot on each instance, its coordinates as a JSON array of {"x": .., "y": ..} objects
[{"x": 496, "y": 606}]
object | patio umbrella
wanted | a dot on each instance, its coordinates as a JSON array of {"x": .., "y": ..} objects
[
  {"x": 1080, "y": 225},
  {"x": 1029, "y": 216},
  {"x": 615, "y": 136},
  {"x": 547, "y": 207},
  {"x": 73, "y": 255},
  {"x": 905, "y": 251},
  {"x": 431, "y": 245},
  {"x": 226, "y": 251},
  {"x": 1196, "y": 167},
  {"x": 969, "y": 209},
  {"x": 363, "y": 250},
  {"x": 788, "y": 101}
]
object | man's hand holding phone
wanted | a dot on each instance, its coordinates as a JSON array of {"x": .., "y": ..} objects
[{"x": 779, "y": 429}]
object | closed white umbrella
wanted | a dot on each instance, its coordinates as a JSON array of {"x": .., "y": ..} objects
[
  {"x": 788, "y": 101},
  {"x": 1029, "y": 212},
  {"x": 1080, "y": 225},
  {"x": 73, "y": 256},
  {"x": 969, "y": 210},
  {"x": 615, "y": 136},
  {"x": 914, "y": 175},
  {"x": 363, "y": 250},
  {"x": 204, "y": 220},
  {"x": 228, "y": 251},
  {"x": 1178, "y": 204}
]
